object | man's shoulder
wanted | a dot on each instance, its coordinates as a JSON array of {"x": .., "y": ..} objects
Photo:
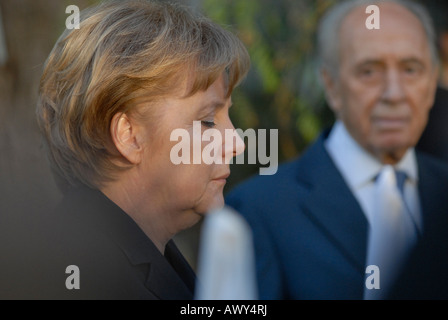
[
  {"x": 260, "y": 186},
  {"x": 292, "y": 176},
  {"x": 286, "y": 171},
  {"x": 432, "y": 164},
  {"x": 430, "y": 159}
]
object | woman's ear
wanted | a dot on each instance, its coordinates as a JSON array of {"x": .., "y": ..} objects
[{"x": 125, "y": 137}]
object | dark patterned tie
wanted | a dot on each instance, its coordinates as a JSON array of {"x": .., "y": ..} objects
[{"x": 401, "y": 178}]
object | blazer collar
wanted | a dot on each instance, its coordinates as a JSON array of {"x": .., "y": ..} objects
[
  {"x": 171, "y": 281},
  {"x": 331, "y": 204},
  {"x": 169, "y": 276},
  {"x": 356, "y": 165}
]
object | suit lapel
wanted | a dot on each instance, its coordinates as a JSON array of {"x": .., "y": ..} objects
[
  {"x": 165, "y": 282},
  {"x": 332, "y": 206}
]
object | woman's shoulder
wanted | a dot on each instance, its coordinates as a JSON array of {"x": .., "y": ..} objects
[{"x": 77, "y": 241}]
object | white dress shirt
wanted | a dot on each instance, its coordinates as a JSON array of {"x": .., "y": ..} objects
[{"x": 359, "y": 169}]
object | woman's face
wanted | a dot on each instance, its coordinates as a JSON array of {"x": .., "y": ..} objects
[{"x": 188, "y": 187}]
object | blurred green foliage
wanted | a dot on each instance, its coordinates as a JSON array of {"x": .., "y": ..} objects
[{"x": 282, "y": 90}]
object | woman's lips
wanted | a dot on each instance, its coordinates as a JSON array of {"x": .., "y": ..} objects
[{"x": 222, "y": 178}]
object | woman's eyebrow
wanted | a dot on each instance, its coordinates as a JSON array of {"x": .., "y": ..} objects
[{"x": 215, "y": 105}]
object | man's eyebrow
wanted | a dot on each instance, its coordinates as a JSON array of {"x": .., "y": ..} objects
[
  {"x": 412, "y": 60},
  {"x": 415, "y": 61},
  {"x": 367, "y": 62},
  {"x": 380, "y": 62}
]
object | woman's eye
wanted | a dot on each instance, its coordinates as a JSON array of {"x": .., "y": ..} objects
[{"x": 208, "y": 124}]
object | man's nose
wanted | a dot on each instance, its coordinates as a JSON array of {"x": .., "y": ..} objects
[{"x": 393, "y": 91}]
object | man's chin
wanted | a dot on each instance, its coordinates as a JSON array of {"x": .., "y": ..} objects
[{"x": 392, "y": 152}]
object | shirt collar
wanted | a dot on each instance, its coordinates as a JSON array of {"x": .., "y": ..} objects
[
  {"x": 408, "y": 164},
  {"x": 357, "y": 166}
]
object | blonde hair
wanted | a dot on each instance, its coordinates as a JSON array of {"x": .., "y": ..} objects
[{"x": 124, "y": 52}]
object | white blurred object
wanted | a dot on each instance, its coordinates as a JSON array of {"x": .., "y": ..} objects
[
  {"x": 226, "y": 263},
  {"x": 3, "y": 51}
]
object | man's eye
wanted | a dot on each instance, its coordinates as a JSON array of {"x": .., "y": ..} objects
[
  {"x": 411, "y": 70},
  {"x": 208, "y": 124},
  {"x": 367, "y": 72}
]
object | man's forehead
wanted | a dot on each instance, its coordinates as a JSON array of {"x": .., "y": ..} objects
[
  {"x": 400, "y": 32},
  {"x": 392, "y": 16}
]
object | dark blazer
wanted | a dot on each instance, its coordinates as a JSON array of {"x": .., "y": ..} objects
[
  {"x": 434, "y": 139},
  {"x": 426, "y": 276},
  {"x": 310, "y": 234},
  {"x": 115, "y": 258}
]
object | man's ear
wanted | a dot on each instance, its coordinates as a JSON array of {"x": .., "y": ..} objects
[
  {"x": 331, "y": 90},
  {"x": 434, "y": 84},
  {"x": 124, "y": 133}
]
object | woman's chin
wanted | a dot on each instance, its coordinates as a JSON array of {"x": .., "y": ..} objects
[{"x": 215, "y": 204}]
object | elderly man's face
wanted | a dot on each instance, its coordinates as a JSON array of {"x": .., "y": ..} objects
[{"x": 386, "y": 81}]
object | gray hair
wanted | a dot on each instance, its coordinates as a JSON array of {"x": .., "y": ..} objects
[{"x": 328, "y": 31}]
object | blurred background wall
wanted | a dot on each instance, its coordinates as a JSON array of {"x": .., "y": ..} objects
[{"x": 281, "y": 92}]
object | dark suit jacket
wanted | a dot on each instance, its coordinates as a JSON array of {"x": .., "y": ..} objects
[
  {"x": 434, "y": 139},
  {"x": 310, "y": 234},
  {"x": 115, "y": 258},
  {"x": 426, "y": 277}
]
